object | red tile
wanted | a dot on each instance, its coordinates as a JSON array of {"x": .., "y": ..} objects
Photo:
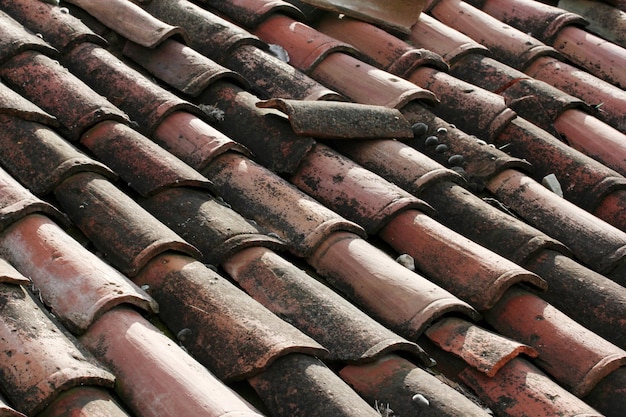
[
  {"x": 76, "y": 106},
  {"x": 38, "y": 359},
  {"x": 522, "y": 389},
  {"x": 205, "y": 29},
  {"x": 37, "y": 16},
  {"x": 193, "y": 140},
  {"x": 207, "y": 223},
  {"x": 84, "y": 402},
  {"x": 608, "y": 99},
  {"x": 305, "y": 46},
  {"x": 594, "y": 242},
  {"x": 298, "y": 384},
  {"x": 16, "y": 202},
  {"x": 14, "y": 40},
  {"x": 10, "y": 275},
  {"x": 250, "y": 13},
  {"x": 128, "y": 236},
  {"x": 573, "y": 355},
  {"x": 146, "y": 166},
  {"x": 452, "y": 45},
  {"x": 483, "y": 350},
  {"x": 130, "y": 21},
  {"x": 350, "y": 335},
  {"x": 77, "y": 285},
  {"x": 258, "y": 194},
  {"x": 510, "y": 45},
  {"x": 14, "y": 104},
  {"x": 350, "y": 120},
  {"x": 609, "y": 396},
  {"x": 156, "y": 377},
  {"x": 40, "y": 158},
  {"x": 180, "y": 66},
  {"x": 397, "y": 297},
  {"x": 144, "y": 101},
  {"x": 393, "y": 381},
  {"x": 612, "y": 208}
]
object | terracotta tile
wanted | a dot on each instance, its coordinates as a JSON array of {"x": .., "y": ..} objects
[
  {"x": 603, "y": 307},
  {"x": 7, "y": 411},
  {"x": 469, "y": 271},
  {"x": 452, "y": 45},
  {"x": 40, "y": 158},
  {"x": 180, "y": 66},
  {"x": 39, "y": 359},
  {"x": 147, "y": 168},
  {"x": 78, "y": 286},
  {"x": 350, "y": 120},
  {"x": 16, "y": 202},
  {"x": 608, "y": 396},
  {"x": 351, "y": 191},
  {"x": 204, "y": 29},
  {"x": 390, "y": 53},
  {"x": 543, "y": 21},
  {"x": 594, "y": 242},
  {"x": 77, "y": 107},
  {"x": 60, "y": 29},
  {"x": 154, "y": 375},
  {"x": 145, "y": 102},
  {"x": 305, "y": 46},
  {"x": 393, "y": 381},
  {"x": 479, "y": 348},
  {"x": 319, "y": 392},
  {"x": 128, "y": 236},
  {"x": 229, "y": 332},
  {"x": 84, "y": 402},
  {"x": 522, "y": 389},
  {"x": 400, "y": 299},
  {"x": 10, "y": 275},
  {"x": 584, "y": 181},
  {"x": 508, "y": 44},
  {"x": 207, "y": 223},
  {"x": 471, "y": 108},
  {"x": 611, "y": 209},
  {"x": 250, "y": 13},
  {"x": 15, "y": 40},
  {"x": 256, "y": 193},
  {"x": 349, "y": 334},
  {"x": 130, "y": 21},
  {"x": 263, "y": 131},
  {"x": 258, "y": 66},
  {"x": 14, "y": 104},
  {"x": 608, "y": 99},
  {"x": 603, "y": 19},
  {"x": 573, "y": 355},
  {"x": 193, "y": 140}
]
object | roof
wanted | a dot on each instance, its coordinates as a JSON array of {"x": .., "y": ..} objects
[{"x": 262, "y": 207}]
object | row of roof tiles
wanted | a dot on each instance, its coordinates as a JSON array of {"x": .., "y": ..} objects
[{"x": 160, "y": 227}]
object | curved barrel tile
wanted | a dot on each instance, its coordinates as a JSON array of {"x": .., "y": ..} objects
[
  {"x": 146, "y": 167},
  {"x": 147, "y": 365},
  {"x": 84, "y": 401},
  {"x": 40, "y": 158},
  {"x": 77, "y": 285},
  {"x": 13, "y": 104},
  {"x": 38, "y": 359},
  {"x": 256, "y": 193},
  {"x": 76, "y": 106},
  {"x": 609, "y": 396},
  {"x": 393, "y": 381},
  {"x": 251, "y": 13},
  {"x": 128, "y": 236},
  {"x": 15, "y": 39},
  {"x": 10, "y": 275},
  {"x": 227, "y": 330},
  {"x": 349, "y": 334},
  {"x": 208, "y": 224}
]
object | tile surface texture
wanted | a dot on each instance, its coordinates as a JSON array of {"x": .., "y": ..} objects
[{"x": 312, "y": 208}]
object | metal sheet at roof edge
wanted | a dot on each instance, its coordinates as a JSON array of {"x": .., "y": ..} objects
[
  {"x": 398, "y": 15},
  {"x": 197, "y": 304},
  {"x": 130, "y": 20},
  {"x": 337, "y": 120},
  {"x": 38, "y": 359},
  {"x": 76, "y": 284}
]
